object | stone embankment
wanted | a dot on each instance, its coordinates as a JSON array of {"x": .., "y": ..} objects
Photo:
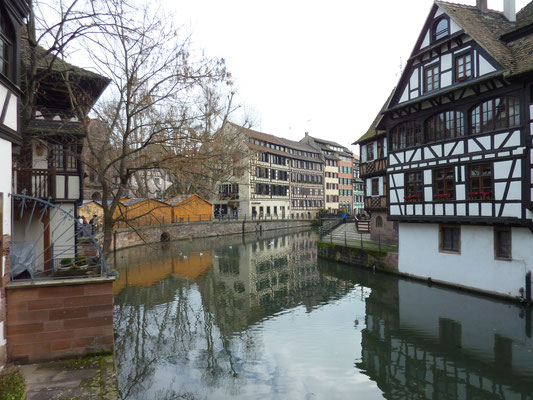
[
  {"x": 130, "y": 237},
  {"x": 368, "y": 258}
]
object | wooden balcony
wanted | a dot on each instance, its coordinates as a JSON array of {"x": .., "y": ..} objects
[
  {"x": 374, "y": 203},
  {"x": 38, "y": 183},
  {"x": 374, "y": 167}
]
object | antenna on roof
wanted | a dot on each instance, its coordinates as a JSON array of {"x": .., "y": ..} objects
[{"x": 401, "y": 67}]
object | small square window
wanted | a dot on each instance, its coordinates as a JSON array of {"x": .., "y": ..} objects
[
  {"x": 463, "y": 67},
  {"x": 502, "y": 243},
  {"x": 431, "y": 78},
  {"x": 450, "y": 239}
]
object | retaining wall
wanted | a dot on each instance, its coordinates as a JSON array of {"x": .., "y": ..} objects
[
  {"x": 382, "y": 260},
  {"x": 48, "y": 320},
  {"x": 5, "y": 263},
  {"x": 124, "y": 238}
]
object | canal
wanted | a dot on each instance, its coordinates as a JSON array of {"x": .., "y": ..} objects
[{"x": 260, "y": 317}]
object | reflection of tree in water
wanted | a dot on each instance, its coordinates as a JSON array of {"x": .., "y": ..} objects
[{"x": 206, "y": 327}]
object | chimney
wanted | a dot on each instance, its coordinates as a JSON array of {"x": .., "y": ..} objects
[
  {"x": 482, "y": 5},
  {"x": 509, "y": 10}
]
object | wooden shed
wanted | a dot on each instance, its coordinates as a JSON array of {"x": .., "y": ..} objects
[
  {"x": 89, "y": 208},
  {"x": 190, "y": 208},
  {"x": 140, "y": 212}
]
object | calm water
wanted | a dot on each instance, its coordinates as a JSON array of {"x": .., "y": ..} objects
[{"x": 262, "y": 318}]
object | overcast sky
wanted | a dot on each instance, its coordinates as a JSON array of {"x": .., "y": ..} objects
[{"x": 308, "y": 65}]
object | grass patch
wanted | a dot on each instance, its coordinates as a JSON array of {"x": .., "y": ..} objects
[{"x": 12, "y": 386}]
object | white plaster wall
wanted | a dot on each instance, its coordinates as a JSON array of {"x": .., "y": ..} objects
[
  {"x": 25, "y": 232},
  {"x": 474, "y": 267},
  {"x": 5, "y": 183},
  {"x": 478, "y": 329},
  {"x": 39, "y": 161},
  {"x": 484, "y": 66},
  {"x": 74, "y": 187},
  {"x": 11, "y": 119}
]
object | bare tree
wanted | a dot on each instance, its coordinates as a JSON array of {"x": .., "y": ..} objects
[{"x": 165, "y": 109}]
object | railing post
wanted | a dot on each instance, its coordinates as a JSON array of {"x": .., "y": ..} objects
[
  {"x": 346, "y": 244},
  {"x": 361, "y": 240},
  {"x": 379, "y": 242}
]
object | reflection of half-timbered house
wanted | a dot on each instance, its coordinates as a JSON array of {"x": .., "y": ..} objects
[{"x": 459, "y": 148}]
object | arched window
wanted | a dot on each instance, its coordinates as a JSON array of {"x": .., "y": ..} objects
[
  {"x": 441, "y": 28},
  {"x": 379, "y": 222},
  {"x": 493, "y": 114},
  {"x": 405, "y": 135},
  {"x": 6, "y": 43},
  {"x": 445, "y": 125}
]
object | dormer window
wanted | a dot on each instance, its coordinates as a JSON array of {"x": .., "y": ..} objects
[{"x": 441, "y": 29}]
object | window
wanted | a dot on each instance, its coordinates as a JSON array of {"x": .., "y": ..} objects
[
  {"x": 441, "y": 29},
  {"x": 446, "y": 125},
  {"x": 63, "y": 157},
  {"x": 431, "y": 78},
  {"x": 499, "y": 113},
  {"x": 463, "y": 67},
  {"x": 502, "y": 243},
  {"x": 450, "y": 238},
  {"x": 480, "y": 181},
  {"x": 414, "y": 185},
  {"x": 6, "y": 41},
  {"x": 405, "y": 135},
  {"x": 370, "y": 152},
  {"x": 375, "y": 187},
  {"x": 379, "y": 222},
  {"x": 444, "y": 182}
]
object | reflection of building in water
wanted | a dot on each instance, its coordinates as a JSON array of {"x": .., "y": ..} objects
[
  {"x": 269, "y": 268},
  {"x": 139, "y": 272},
  {"x": 427, "y": 342}
]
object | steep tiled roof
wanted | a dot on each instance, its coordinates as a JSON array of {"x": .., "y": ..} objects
[{"x": 488, "y": 28}]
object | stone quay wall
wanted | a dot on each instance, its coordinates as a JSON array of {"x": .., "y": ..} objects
[
  {"x": 130, "y": 237},
  {"x": 49, "y": 320},
  {"x": 366, "y": 258}
]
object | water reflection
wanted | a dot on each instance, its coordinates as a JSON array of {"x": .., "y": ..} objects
[{"x": 262, "y": 318}]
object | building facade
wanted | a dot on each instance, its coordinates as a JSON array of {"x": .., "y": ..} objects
[
  {"x": 12, "y": 14},
  {"x": 459, "y": 128},
  {"x": 338, "y": 163},
  {"x": 307, "y": 180},
  {"x": 358, "y": 188},
  {"x": 373, "y": 172}
]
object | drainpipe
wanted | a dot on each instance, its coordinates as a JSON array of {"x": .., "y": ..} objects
[{"x": 528, "y": 288}]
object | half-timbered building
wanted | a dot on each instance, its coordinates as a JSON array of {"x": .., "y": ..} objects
[
  {"x": 458, "y": 133},
  {"x": 12, "y": 14},
  {"x": 307, "y": 179},
  {"x": 373, "y": 172},
  {"x": 49, "y": 167}
]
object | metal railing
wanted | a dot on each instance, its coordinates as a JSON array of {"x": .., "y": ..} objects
[{"x": 359, "y": 240}]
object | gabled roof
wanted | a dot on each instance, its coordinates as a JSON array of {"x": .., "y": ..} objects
[
  {"x": 138, "y": 201},
  {"x": 184, "y": 198}
]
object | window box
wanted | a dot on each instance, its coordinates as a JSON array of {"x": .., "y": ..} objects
[
  {"x": 413, "y": 199},
  {"x": 442, "y": 197},
  {"x": 479, "y": 196}
]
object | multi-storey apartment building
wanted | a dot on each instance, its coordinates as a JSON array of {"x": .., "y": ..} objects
[
  {"x": 337, "y": 158},
  {"x": 346, "y": 182},
  {"x": 358, "y": 188},
  {"x": 262, "y": 189},
  {"x": 459, "y": 130},
  {"x": 307, "y": 179}
]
